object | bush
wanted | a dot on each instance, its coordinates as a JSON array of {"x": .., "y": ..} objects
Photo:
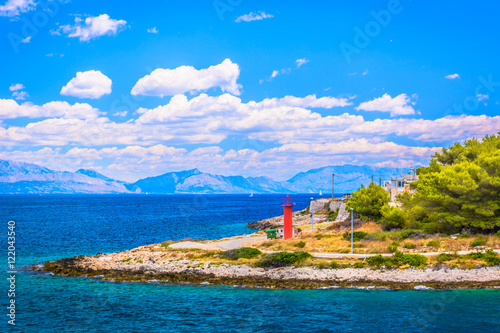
[
  {"x": 334, "y": 264},
  {"x": 244, "y": 252},
  {"x": 393, "y": 218},
  {"x": 332, "y": 215},
  {"x": 405, "y": 234},
  {"x": 465, "y": 235},
  {"x": 479, "y": 241},
  {"x": 498, "y": 233},
  {"x": 398, "y": 259},
  {"x": 433, "y": 243},
  {"x": 300, "y": 244},
  {"x": 359, "y": 264},
  {"x": 491, "y": 258},
  {"x": 282, "y": 259},
  {"x": 166, "y": 244},
  {"x": 392, "y": 248},
  {"x": 357, "y": 235},
  {"x": 410, "y": 246},
  {"x": 443, "y": 257}
]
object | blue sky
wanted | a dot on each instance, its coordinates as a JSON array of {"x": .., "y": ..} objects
[{"x": 392, "y": 82}]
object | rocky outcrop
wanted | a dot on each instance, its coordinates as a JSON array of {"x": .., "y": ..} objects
[{"x": 146, "y": 266}]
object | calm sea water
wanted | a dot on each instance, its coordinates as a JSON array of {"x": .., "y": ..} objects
[{"x": 52, "y": 227}]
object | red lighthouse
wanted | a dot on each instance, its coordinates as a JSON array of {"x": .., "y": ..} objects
[{"x": 287, "y": 212}]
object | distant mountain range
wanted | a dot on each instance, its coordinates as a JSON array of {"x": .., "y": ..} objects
[{"x": 25, "y": 178}]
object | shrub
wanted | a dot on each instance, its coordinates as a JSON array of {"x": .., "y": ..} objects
[
  {"x": 479, "y": 241},
  {"x": 166, "y": 244},
  {"x": 464, "y": 235},
  {"x": 300, "y": 244},
  {"x": 498, "y": 233},
  {"x": 398, "y": 259},
  {"x": 392, "y": 248},
  {"x": 405, "y": 234},
  {"x": 393, "y": 218},
  {"x": 282, "y": 259},
  {"x": 433, "y": 243},
  {"x": 410, "y": 246},
  {"x": 357, "y": 235},
  {"x": 244, "y": 252},
  {"x": 376, "y": 261},
  {"x": 332, "y": 215},
  {"x": 491, "y": 258},
  {"x": 334, "y": 264},
  {"x": 443, "y": 257},
  {"x": 359, "y": 264}
]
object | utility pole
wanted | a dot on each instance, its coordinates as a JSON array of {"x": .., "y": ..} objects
[
  {"x": 365, "y": 179},
  {"x": 312, "y": 214},
  {"x": 372, "y": 178},
  {"x": 333, "y": 182},
  {"x": 380, "y": 181},
  {"x": 352, "y": 232}
]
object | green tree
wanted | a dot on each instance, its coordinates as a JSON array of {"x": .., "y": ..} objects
[
  {"x": 461, "y": 187},
  {"x": 368, "y": 201},
  {"x": 393, "y": 217}
]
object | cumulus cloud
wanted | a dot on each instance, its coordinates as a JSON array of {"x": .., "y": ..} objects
[
  {"x": 310, "y": 101},
  {"x": 452, "y": 76},
  {"x": 17, "y": 92},
  {"x": 399, "y": 105},
  {"x": 90, "y": 84},
  {"x": 153, "y": 30},
  {"x": 10, "y": 109},
  {"x": 17, "y": 86},
  {"x": 16, "y": 7},
  {"x": 168, "y": 82},
  {"x": 26, "y": 40},
  {"x": 300, "y": 62},
  {"x": 253, "y": 17},
  {"x": 92, "y": 27}
]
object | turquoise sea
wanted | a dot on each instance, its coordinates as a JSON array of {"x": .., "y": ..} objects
[{"x": 52, "y": 227}]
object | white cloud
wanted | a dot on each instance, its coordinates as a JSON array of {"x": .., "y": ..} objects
[
  {"x": 20, "y": 95},
  {"x": 17, "y": 86},
  {"x": 16, "y": 7},
  {"x": 481, "y": 97},
  {"x": 168, "y": 82},
  {"x": 92, "y": 27},
  {"x": 120, "y": 114},
  {"x": 253, "y": 17},
  {"x": 89, "y": 84},
  {"x": 399, "y": 105},
  {"x": 17, "y": 92},
  {"x": 310, "y": 101},
  {"x": 365, "y": 72},
  {"x": 301, "y": 62},
  {"x": 153, "y": 30},
  {"x": 10, "y": 109},
  {"x": 26, "y": 40},
  {"x": 452, "y": 76}
]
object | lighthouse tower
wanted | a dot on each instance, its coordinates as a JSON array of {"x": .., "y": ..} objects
[{"x": 287, "y": 204}]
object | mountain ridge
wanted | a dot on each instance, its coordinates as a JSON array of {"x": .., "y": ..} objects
[{"x": 25, "y": 178}]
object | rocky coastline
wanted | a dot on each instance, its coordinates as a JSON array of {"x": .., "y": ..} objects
[{"x": 144, "y": 265}]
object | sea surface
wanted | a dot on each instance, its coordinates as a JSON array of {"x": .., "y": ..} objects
[{"x": 57, "y": 226}]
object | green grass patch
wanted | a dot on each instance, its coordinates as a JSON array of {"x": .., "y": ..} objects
[
  {"x": 410, "y": 246},
  {"x": 398, "y": 259},
  {"x": 479, "y": 241}
]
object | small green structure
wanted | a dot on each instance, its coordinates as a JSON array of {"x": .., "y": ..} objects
[{"x": 271, "y": 234}]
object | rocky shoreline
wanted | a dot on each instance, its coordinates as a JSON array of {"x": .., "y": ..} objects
[{"x": 147, "y": 266}]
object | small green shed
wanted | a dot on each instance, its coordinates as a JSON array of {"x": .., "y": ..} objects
[{"x": 271, "y": 234}]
